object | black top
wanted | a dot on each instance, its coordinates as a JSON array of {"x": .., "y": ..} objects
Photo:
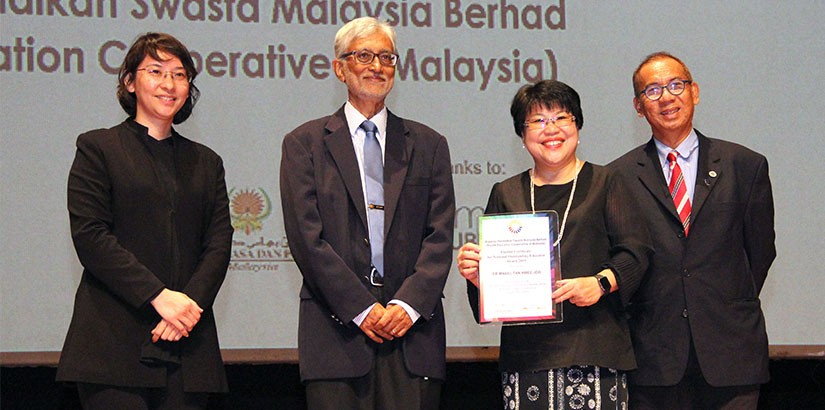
[
  {"x": 600, "y": 232},
  {"x": 145, "y": 215}
]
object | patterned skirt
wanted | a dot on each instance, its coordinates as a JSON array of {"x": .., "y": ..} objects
[{"x": 575, "y": 387}]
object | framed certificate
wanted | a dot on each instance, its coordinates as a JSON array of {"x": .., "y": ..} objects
[{"x": 518, "y": 269}]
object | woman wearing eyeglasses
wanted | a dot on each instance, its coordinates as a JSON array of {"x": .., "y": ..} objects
[
  {"x": 582, "y": 361},
  {"x": 150, "y": 223}
]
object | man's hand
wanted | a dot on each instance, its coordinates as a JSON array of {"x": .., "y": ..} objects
[
  {"x": 368, "y": 326},
  {"x": 395, "y": 323}
]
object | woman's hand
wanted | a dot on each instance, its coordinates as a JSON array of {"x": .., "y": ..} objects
[
  {"x": 165, "y": 331},
  {"x": 467, "y": 262},
  {"x": 178, "y": 310},
  {"x": 584, "y": 291}
]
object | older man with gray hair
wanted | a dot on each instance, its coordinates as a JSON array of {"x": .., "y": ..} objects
[{"x": 368, "y": 209}]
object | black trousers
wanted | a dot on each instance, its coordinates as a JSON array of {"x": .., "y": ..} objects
[
  {"x": 105, "y": 397},
  {"x": 388, "y": 386},
  {"x": 694, "y": 393}
]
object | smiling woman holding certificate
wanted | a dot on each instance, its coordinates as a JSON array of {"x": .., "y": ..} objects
[{"x": 580, "y": 362}]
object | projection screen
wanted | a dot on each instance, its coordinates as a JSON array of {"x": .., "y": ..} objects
[{"x": 265, "y": 69}]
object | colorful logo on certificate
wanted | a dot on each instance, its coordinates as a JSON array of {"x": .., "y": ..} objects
[{"x": 514, "y": 226}]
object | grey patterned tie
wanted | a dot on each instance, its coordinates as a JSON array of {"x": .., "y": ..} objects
[{"x": 374, "y": 172}]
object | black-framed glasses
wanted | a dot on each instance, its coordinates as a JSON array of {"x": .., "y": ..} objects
[
  {"x": 179, "y": 76},
  {"x": 540, "y": 123},
  {"x": 655, "y": 92},
  {"x": 366, "y": 57}
]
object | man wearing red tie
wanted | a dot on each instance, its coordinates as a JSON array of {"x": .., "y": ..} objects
[{"x": 696, "y": 321}]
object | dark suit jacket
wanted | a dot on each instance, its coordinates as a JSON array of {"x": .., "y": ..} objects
[
  {"x": 124, "y": 223},
  {"x": 706, "y": 285},
  {"x": 325, "y": 222}
]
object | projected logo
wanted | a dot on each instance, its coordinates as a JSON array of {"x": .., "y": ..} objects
[
  {"x": 248, "y": 209},
  {"x": 466, "y": 225},
  {"x": 252, "y": 249}
]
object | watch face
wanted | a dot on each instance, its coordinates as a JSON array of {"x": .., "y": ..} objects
[{"x": 605, "y": 284}]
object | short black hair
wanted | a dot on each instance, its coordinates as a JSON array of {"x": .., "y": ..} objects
[
  {"x": 638, "y": 87},
  {"x": 152, "y": 44},
  {"x": 546, "y": 93}
]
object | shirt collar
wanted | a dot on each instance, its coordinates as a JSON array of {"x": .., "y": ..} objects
[
  {"x": 685, "y": 150},
  {"x": 355, "y": 118}
]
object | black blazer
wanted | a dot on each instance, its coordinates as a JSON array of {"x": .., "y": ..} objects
[
  {"x": 706, "y": 285},
  {"x": 123, "y": 223},
  {"x": 325, "y": 222}
]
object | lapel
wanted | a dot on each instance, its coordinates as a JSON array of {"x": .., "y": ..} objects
[
  {"x": 650, "y": 173},
  {"x": 396, "y": 163},
  {"x": 708, "y": 173},
  {"x": 339, "y": 143}
]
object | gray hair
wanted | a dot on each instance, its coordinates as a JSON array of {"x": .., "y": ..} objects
[{"x": 360, "y": 28}]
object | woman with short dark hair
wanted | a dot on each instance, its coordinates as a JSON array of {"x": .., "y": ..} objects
[
  {"x": 580, "y": 363},
  {"x": 150, "y": 222}
]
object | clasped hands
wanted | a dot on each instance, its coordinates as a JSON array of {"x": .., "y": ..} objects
[
  {"x": 583, "y": 291},
  {"x": 180, "y": 315},
  {"x": 386, "y": 323}
]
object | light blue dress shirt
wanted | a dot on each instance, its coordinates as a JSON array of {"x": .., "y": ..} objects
[
  {"x": 354, "y": 120},
  {"x": 687, "y": 158}
]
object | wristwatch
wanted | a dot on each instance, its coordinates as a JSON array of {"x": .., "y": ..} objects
[{"x": 604, "y": 283}]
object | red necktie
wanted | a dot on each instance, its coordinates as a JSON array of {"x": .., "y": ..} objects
[{"x": 678, "y": 191}]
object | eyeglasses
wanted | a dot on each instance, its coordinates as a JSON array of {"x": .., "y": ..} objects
[
  {"x": 559, "y": 121},
  {"x": 655, "y": 92},
  {"x": 366, "y": 57},
  {"x": 157, "y": 75}
]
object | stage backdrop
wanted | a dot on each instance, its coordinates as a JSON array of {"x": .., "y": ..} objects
[{"x": 265, "y": 69}]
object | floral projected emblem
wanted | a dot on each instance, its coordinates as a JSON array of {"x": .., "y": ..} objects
[{"x": 248, "y": 208}]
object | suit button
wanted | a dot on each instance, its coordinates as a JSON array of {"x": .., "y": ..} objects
[
  {"x": 367, "y": 241},
  {"x": 684, "y": 313},
  {"x": 686, "y": 273},
  {"x": 681, "y": 235}
]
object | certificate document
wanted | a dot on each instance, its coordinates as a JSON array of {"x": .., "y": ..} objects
[{"x": 518, "y": 269}]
